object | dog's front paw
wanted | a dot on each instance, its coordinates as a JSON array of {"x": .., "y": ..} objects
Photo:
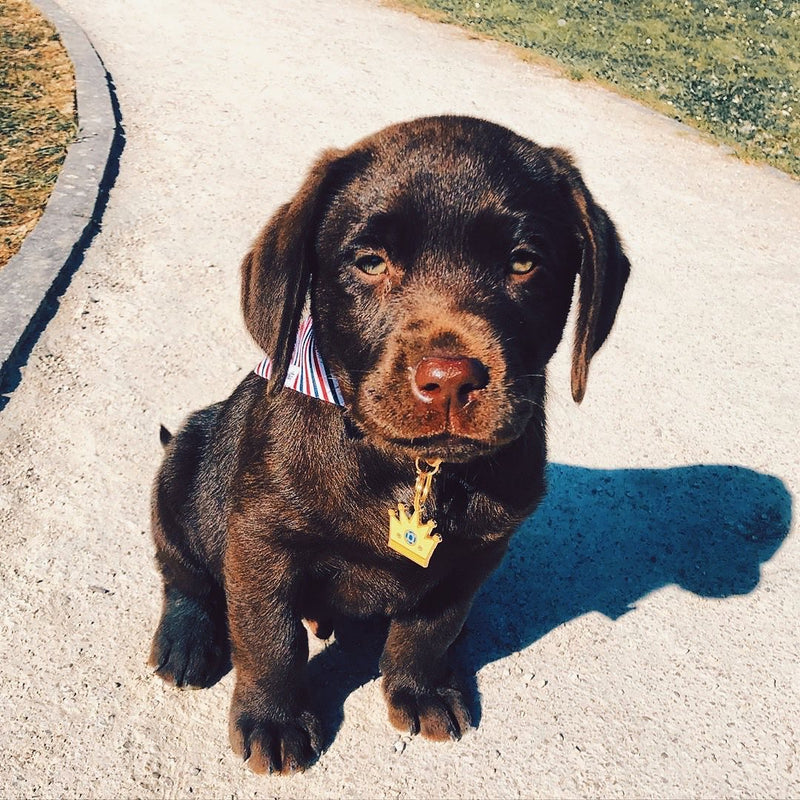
[
  {"x": 438, "y": 714},
  {"x": 280, "y": 744}
]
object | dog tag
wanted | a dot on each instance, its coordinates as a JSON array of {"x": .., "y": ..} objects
[{"x": 409, "y": 535}]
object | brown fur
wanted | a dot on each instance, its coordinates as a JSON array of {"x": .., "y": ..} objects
[{"x": 271, "y": 507}]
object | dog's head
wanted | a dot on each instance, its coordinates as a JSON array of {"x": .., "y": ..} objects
[{"x": 441, "y": 256}]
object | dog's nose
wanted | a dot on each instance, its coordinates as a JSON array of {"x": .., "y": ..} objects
[{"x": 448, "y": 382}]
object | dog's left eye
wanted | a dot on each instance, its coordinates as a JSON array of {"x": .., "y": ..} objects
[
  {"x": 523, "y": 262},
  {"x": 371, "y": 264}
]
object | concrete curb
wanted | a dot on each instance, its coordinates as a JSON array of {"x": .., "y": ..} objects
[{"x": 41, "y": 269}]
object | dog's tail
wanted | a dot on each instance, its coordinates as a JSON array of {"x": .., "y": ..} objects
[{"x": 165, "y": 436}]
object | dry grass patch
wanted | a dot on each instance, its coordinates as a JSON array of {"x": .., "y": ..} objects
[{"x": 37, "y": 118}]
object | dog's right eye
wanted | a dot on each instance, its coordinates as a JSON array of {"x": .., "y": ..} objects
[{"x": 372, "y": 264}]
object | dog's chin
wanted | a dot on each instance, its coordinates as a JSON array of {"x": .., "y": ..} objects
[{"x": 445, "y": 447}]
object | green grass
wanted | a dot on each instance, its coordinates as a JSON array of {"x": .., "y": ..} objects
[
  {"x": 731, "y": 68},
  {"x": 37, "y": 118}
]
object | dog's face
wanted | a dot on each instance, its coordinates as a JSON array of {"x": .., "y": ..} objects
[{"x": 441, "y": 256}]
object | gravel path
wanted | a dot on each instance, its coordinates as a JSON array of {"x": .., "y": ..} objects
[{"x": 641, "y": 640}]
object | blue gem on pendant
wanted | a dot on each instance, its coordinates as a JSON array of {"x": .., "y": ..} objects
[{"x": 411, "y": 537}]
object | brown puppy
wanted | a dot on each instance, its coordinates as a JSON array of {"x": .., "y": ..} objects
[{"x": 439, "y": 256}]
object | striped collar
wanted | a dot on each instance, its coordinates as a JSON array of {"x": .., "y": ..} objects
[{"x": 307, "y": 373}]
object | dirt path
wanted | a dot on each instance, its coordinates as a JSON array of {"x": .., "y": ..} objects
[{"x": 642, "y": 638}]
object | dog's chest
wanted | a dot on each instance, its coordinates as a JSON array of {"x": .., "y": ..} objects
[
  {"x": 363, "y": 590},
  {"x": 354, "y": 571}
]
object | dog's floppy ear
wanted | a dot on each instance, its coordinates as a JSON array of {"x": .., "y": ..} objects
[
  {"x": 277, "y": 270},
  {"x": 604, "y": 270}
]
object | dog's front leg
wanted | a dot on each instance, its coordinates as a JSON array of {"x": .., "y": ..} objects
[
  {"x": 420, "y": 689},
  {"x": 271, "y": 725}
]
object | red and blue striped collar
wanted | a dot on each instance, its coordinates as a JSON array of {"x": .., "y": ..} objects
[{"x": 307, "y": 373}]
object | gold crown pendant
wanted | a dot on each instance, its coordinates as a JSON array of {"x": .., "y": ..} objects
[{"x": 409, "y": 535}]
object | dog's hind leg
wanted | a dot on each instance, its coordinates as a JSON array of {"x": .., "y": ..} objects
[
  {"x": 191, "y": 646},
  {"x": 321, "y": 628}
]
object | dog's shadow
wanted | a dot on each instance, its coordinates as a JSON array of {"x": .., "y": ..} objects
[{"x": 600, "y": 541}]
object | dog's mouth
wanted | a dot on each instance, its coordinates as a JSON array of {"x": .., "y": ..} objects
[{"x": 454, "y": 443}]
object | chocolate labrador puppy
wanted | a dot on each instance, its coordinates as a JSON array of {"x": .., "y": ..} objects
[{"x": 437, "y": 260}]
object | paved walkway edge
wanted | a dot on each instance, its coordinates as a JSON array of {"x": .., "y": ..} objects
[{"x": 41, "y": 269}]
